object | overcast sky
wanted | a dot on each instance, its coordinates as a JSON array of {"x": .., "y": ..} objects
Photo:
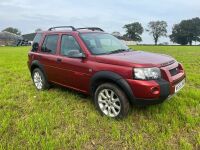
[{"x": 111, "y": 15}]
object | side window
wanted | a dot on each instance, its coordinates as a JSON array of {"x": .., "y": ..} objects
[
  {"x": 68, "y": 43},
  {"x": 36, "y": 41},
  {"x": 37, "y": 38},
  {"x": 50, "y": 44}
]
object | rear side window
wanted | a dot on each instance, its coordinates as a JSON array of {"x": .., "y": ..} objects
[
  {"x": 36, "y": 41},
  {"x": 50, "y": 44},
  {"x": 68, "y": 43},
  {"x": 37, "y": 38}
]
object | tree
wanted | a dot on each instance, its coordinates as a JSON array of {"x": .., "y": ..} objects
[
  {"x": 13, "y": 30},
  {"x": 186, "y": 32},
  {"x": 178, "y": 35},
  {"x": 196, "y": 29},
  {"x": 157, "y": 29},
  {"x": 133, "y": 31}
]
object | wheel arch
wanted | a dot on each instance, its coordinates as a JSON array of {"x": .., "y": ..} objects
[
  {"x": 37, "y": 64},
  {"x": 108, "y": 76}
]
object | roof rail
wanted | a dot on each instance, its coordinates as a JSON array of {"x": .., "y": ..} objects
[
  {"x": 91, "y": 28},
  {"x": 73, "y": 29}
]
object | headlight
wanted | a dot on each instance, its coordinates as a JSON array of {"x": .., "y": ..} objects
[{"x": 147, "y": 73}]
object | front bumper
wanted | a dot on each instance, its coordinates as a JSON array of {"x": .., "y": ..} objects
[
  {"x": 155, "y": 91},
  {"x": 149, "y": 92}
]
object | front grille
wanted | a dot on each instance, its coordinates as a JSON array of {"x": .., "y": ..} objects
[{"x": 174, "y": 71}]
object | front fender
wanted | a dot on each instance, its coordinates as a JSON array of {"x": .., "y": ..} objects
[{"x": 108, "y": 76}]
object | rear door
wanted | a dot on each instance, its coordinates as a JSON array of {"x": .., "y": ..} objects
[{"x": 48, "y": 58}]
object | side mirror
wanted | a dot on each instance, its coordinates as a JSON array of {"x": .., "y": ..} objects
[
  {"x": 76, "y": 54},
  {"x": 35, "y": 47}
]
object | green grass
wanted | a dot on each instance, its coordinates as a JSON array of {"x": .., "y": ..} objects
[{"x": 62, "y": 119}]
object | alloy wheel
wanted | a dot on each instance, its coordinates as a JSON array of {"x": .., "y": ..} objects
[
  {"x": 37, "y": 80},
  {"x": 109, "y": 102}
]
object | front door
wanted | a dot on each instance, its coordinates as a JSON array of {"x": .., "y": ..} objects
[{"x": 75, "y": 71}]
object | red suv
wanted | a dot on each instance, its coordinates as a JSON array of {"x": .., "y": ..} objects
[{"x": 96, "y": 63}]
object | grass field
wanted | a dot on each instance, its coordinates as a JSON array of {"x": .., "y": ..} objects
[{"x": 62, "y": 119}]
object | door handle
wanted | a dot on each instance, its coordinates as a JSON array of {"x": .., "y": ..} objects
[{"x": 58, "y": 59}]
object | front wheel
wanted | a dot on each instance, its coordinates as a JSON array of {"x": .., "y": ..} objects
[{"x": 111, "y": 101}]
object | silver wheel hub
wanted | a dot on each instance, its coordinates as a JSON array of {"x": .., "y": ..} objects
[
  {"x": 37, "y": 80},
  {"x": 109, "y": 102}
]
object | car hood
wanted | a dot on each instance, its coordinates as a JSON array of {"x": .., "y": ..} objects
[{"x": 136, "y": 58}]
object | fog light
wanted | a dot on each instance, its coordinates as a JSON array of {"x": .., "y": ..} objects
[{"x": 155, "y": 90}]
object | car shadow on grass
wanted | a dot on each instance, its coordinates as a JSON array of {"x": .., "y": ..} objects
[
  {"x": 80, "y": 95},
  {"x": 135, "y": 110}
]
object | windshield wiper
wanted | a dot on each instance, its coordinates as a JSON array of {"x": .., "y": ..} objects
[{"x": 119, "y": 51}]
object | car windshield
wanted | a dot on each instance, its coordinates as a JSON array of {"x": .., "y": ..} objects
[{"x": 102, "y": 43}]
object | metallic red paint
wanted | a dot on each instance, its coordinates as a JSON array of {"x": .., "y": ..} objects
[{"x": 76, "y": 73}]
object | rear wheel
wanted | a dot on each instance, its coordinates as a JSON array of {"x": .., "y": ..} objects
[
  {"x": 111, "y": 101},
  {"x": 39, "y": 79}
]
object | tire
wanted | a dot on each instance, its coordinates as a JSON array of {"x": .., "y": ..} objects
[
  {"x": 111, "y": 101},
  {"x": 39, "y": 80}
]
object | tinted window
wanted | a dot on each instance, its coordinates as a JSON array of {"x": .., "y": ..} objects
[
  {"x": 37, "y": 38},
  {"x": 50, "y": 44},
  {"x": 68, "y": 43}
]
